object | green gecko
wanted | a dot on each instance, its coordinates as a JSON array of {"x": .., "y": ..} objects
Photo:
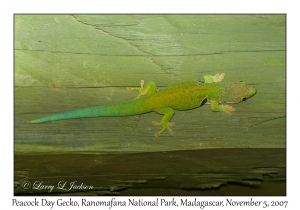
[{"x": 179, "y": 96}]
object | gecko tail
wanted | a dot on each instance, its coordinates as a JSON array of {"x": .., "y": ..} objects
[
  {"x": 122, "y": 109},
  {"x": 40, "y": 120}
]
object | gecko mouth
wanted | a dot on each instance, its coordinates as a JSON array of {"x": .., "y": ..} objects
[{"x": 251, "y": 92}]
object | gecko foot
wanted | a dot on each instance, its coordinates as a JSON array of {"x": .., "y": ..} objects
[
  {"x": 139, "y": 89},
  {"x": 135, "y": 88},
  {"x": 218, "y": 77},
  {"x": 165, "y": 126},
  {"x": 228, "y": 109}
]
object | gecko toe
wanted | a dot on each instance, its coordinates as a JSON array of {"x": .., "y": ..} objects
[{"x": 156, "y": 123}]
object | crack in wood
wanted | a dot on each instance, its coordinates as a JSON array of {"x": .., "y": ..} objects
[{"x": 259, "y": 123}]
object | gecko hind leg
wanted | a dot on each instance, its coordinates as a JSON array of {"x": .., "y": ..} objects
[
  {"x": 149, "y": 89},
  {"x": 216, "y": 78},
  {"x": 168, "y": 114}
]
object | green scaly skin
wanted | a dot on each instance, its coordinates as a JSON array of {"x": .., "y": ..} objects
[{"x": 179, "y": 96}]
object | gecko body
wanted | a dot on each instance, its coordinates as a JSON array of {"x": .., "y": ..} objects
[{"x": 179, "y": 96}]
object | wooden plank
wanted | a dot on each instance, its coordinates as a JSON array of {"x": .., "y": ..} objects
[
  {"x": 191, "y": 172},
  {"x": 67, "y": 62}
]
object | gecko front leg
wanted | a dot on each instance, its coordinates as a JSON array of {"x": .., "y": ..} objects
[
  {"x": 216, "y": 107},
  {"x": 216, "y": 78}
]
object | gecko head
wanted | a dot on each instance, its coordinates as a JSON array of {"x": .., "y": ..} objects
[{"x": 241, "y": 92}]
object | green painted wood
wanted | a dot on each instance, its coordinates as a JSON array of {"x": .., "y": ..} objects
[{"x": 65, "y": 62}]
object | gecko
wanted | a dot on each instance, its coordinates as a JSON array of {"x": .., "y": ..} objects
[{"x": 179, "y": 96}]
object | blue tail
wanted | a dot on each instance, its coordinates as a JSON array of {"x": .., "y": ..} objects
[{"x": 121, "y": 109}]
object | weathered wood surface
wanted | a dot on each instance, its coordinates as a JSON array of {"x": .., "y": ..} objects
[
  {"x": 67, "y": 62},
  {"x": 190, "y": 172}
]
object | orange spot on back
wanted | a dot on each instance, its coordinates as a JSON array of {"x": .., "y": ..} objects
[
  {"x": 197, "y": 84},
  {"x": 200, "y": 96},
  {"x": 198, "y": 90}
]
